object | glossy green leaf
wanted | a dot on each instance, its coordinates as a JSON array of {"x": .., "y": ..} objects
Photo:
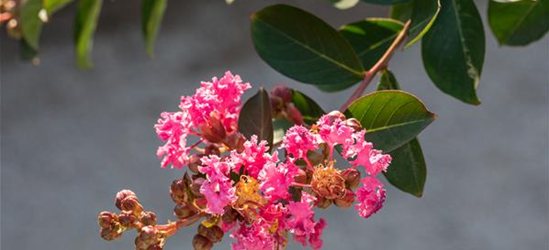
[
  {"x": 453, "y": 50},
  {"x": 391, "y": 117},
  {"x": 402, "y": 12},
  {"x": 408, "y": 170},
  {"x": 31, "y": 24},
  {"x": 303, "y": 47},
  {"x": 518, "y": 23},
  {"x": 371, "y": 38},
  {"x": 51, "y": 6},
  {"x": 256, "y": 117},
  {"x": 423, "y": 16},
  {"x": 152, "y": 12},
  {"x": 87, "y": 16},
  {"x": 310, "y": 110},
  {"x": 386, "y": 2}
]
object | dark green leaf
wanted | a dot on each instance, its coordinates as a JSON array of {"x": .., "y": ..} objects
[
  {"x": 371, "y": 38},
  {"x": 280, "y": 126},
  {"x": 51, "y": 6},
  {"x": 303, "y": 47},
  {"x": 26, "y": 52},
  {"x": 408, "y": 170},
  {"x": 256, "y": 117},
  {"x": 423, "y": 16},
  {"x": 391, "y": 117},
  {"x": 402, "y": 12},
  {"x": 310, "y": 110},
  {"x": 453, "y": 50},
  {"x": 31, "y": 25},
  {"x": 152, "y": 13},
  {"x": 87, "y": 16},
  {"x": 518, "y": 23},
  {"x": 386, "y": 2}
]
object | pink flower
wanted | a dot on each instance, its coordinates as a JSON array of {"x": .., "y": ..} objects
[
  {"x": 253, "y": 158},
  {"x": 370, "y": 196},
  {"x": 218, "y": 189},
  {"x": 220, "y": 98},
  {"x": 302, "y": 224},
  {"x": 373, "y": 160},
  {"x": 298, "y": 141},
  {"x": 173, "y": 128},
  {"x": 276, "y": 180},
  {"x": 333, "y": 130},
  {"x": 256, "y": 236}
]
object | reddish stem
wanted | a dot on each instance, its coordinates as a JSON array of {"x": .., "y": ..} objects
[{"x": 380, "y": 65}]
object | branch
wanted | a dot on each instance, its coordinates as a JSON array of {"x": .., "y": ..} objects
[{"x": 380, "y": 65}]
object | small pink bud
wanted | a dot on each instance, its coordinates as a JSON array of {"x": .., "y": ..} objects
[
  {"x": 127, "y": 219},
  {"x": 148, "y": 218},
  {"x": 131, "y": 203},
  {"x": 107, "y": 219},
  {"x": 352, "y": 178},
  {"x": 111, "y": 233},
  {"x": 182, "y": 211},
  {"x": 334, "y": 115},
  {"x": 196, "y": 185},
  {"x": 283, "y": 92},
  {"x": 202, "y": 243},
  {"x": 354, "y": 124},
  {"x": 178, "y": 191},
  {"x": 194, "y": 163},
  {"x": 148, "y": 235},
  {"x": 155, "y": 247},
  {"x": 121, "y": 196}
]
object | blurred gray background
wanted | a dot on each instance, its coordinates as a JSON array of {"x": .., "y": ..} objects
[{"x": 71, "y": 139}]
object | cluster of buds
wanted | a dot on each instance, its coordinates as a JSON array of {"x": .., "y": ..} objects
[{"x": 240, "y": 187}]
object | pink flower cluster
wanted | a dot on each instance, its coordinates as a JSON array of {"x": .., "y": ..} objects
[{"x": 269, "y": 196}]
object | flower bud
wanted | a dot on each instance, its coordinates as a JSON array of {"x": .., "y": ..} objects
[
  {"x": 352, "y": 178},
  {"x": 229, "y": 215},
  {"x": 196, "y": 185},
  {"x": 212, "y": 150},
  {"x": 127, "y": 219},
  {"x": 277, "y": 105},
  {"x": 183, "y": 211},
  {"x": 148, "y": 218},
  {"x": 323, "y": 202},
  {"x": 283, "y": 92},
  {"x": 346, "y": 201},
  {"x": 178, "y": 191},
  {"x": 236, "y": 141},
  {"x": 131, "y": 203},
  {"x": 120, "y": 196},
  {"x": 334, "y": 115},
  {"x": 301, "y": 176},
  {"x": 148, "y": 235},
  {"x": 214, "y": 234},
  {"x": 155, "y": 247},
  {"x": 107, "y": 219},
  {"x": 354, "y": 124},
  {"x": 294, "y": 115},
  {"x": 111, "y": 233},
  {"x": 194, "y": 162},
  {"x": 202, "y": 243}
]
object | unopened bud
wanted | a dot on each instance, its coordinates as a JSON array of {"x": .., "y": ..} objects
[
  {"x": 194, "y": 163},
  {"x": 283, "y": 92},
  {"x": 148, "y": 218},
  {"x": 196, "y": 185},
  {"x": 120, "y": 196},
  {"x": 230, "y": 215},
  {"x": 111, "y": 233},
  {"x": 214, "y": 234},
  {"x": 182, "y": 211},
  {"x": 202, "y": 243},
  {"x": 131, "y": 203},
  {"x": 178, "y": 191},
  {"x": 107, "y": 219},
  {"x": 346, "y": 201},
  {"x": 352, "y": 178},
  {"x": 127, "y": 219},
  {"x": 148, "y": 235},
  {"x": 236, "y": 141},
  {"x": 354, "y": 124},
  {"x": 301, "y": 176},
  {"x": 155, "y": 247},
  {"x": 323, "y": 202},
  {"x": 212, "y": 150},
  {"x": 334, "y": 115}
]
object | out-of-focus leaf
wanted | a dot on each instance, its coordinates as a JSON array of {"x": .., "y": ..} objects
[
  {"x": 391, "y": 117},
  {"x": 408, "y": 170},
  {"x": 386, "y": 2},
  {"x": 370, "y": 38},
  {"x": 51, "y": 6},
  {"x": 303, "y": 47},
  {"x": 453, "y": 50},
  {"x": 26, "y": 52},
  {"x": 344, "y": 4},
  {"x": 402, "y": 12},
  {"x": 518, "y": 23},
  {"x": 31, "y": 24},
  {"x": 423, "y": 16},
  {"x": 87, "y": 16},
  {"x": 152, "y": 12},
  {"x": 310, "y": 110},
  {"x": 280, "y": 126},
  {"x": 256, "y": 118}
]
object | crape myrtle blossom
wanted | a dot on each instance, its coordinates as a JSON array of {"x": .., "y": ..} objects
[{"x": 260, "y": 197}]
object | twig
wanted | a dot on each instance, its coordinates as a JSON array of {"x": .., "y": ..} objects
[{"x": 380, "y": 65}]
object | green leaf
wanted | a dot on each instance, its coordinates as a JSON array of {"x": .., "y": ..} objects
[
  {"x": 423, "y": 16},
  {"x": 87, "y": 16},
  {"x": 310, "y": 110},
  {"x": 280, "y": 126},
  {"x": 152, "y": 12},
  {"x": 52, "y": 6},
  {"x": 31, "y": 24},
  {"x": 408, "y": 170},
  {"x": 386, "y": 2},
  {"x": 26, "y": 52},
  {"x": 303, "y": 47},
  {"x": 402, "y": 12},
  {"x": 390, "y": 117},
  {"x": 518, "y": 23},
  {"x": 371, "y": 38},
  {"x": 453, "y": 50},
  {"x": 256, "y": 118}
]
